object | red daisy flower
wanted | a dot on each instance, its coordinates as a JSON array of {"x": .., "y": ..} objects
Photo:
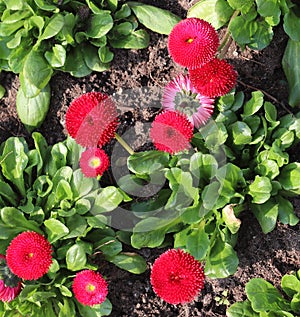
[
  {"x": 94, "y": 162},
  {"x": 29, "y": 255},
  {"x": 193, "y": 42},
  {"x": 92, "y": 119},
  {"x": 89, "y": 287},
  {"x": 10, "y": 284},
  {"x": 181, "y": 95},
  {"x": 171, "y": 131},
  {"x": 214, "y": 79},
  {"x": 177, "y": 277}
]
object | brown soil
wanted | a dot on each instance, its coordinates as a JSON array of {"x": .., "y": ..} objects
[{"x": 136, "y": 77}]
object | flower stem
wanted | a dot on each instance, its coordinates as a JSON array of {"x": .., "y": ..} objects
[
  {"x": 124, "y": 144},
  {"x": 226, "y": 40}
]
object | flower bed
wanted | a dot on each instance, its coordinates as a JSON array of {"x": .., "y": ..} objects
[{"x": 139, "y": 108}]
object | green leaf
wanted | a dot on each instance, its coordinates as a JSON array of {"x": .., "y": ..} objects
[
  {"x": 268, "y": 8},
  {"x": 214, "y": 135},
  {"x": 42, "y": 186},
  {"x": 55, "y": 229},
  {"x": 107, "y": 200},
  {"x": 243, "y": 6},
  {"x": 36, "y": 71},
  {"x": 135, "y": 40},
  {"x": 42, "y": 4},
  {"x": 221, "y": 261},
  {"x": 18, "y": 56},
  {"x": 14, "y": 4},
  {"x": 53, "y": 27},
  {"x": 100, "y": 24},
  {"x": 14, "y": 161},
  {"x": 77, "y": 226},
  {"x": 92, "y": 59},
  {"x": 231, "y": 180},
  {"x": 96, "y": 310},
  {"x": 289, "y": 178},
  {"x": 295, "y": 303},
  {"x": 290, "y": 284},
  {"x": 260, "y": 189},
  {"x": 147, "y": 162},
  {"x": 216, "y": 12},
  {"x": 36, "y": 22},
  {"x": 203, "y": 166},
  {"x": 183, "y": 187},
  {"x": 241, "y": 309},
  {"x": 291, "y": 67},
  {"x": 241, "y": 133},
  {"x": 58, "y": 158},
  {"x": 254, "y": 104},
  {"x": 156, "y": 19},
  {"x": 7, "y": 193},
  {"x": 32, "y": 111},
  {"x": 291, "y": 23},
  {"x": 124, "y": 28},
  {"x": 109, "y": 246},
  {"x": 14, "y": 218},
  {"x": 262, "y": 36},
  {"x": 7, "y": 29},
  {"x": 75, "y": 62},
  {"x": 67, "y": 308},
  {"x": 57, "y": 56},
  {"x": 112, "y": 4},
  {"x": 197, "y": 243},
  {"x": 268, "y": 168},
  {"x": 2, "y": 91},
  {"x": 63, "y": 191},
  {"x": 242, "y": 30},
  {"x": 266, "y": 214},
  {"x": 105, "y": 54},
  {"x": 76, "y": 258},
  {"x": 149, "y": 239},
  {"x": 82, "y": 185},
  {"x": 265, "y": 297},
  {"x": 286, "y": 212},
  {"x": 130, "y": 262},
  {"x": 123, "y": 13}
]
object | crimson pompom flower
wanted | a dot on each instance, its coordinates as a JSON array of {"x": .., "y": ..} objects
[
  {"x": 193, "y": 42},
  {"x": 171, "y": 131},
  {"x": 93, "y": 162},
  {"x": 89, "y": 287},
  {"x": 10, "y": 284},
  {"x": 177, "y": 277},
  {"x": 214, "y": 79},
  {"x": 29, "y": 255},
  {"x": 92, "y": 119},
  {"x": 181, "y": 95}
]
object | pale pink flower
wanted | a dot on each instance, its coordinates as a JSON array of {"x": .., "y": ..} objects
[{"x": 180, "y": 95}]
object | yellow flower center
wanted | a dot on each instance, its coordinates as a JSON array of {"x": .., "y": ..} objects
[
  {"x": 190, "y": 40},
  {"x": 30, "y": 255},
  {"x": 95, "y": 162},
  {"x": 90, "y": 287}
]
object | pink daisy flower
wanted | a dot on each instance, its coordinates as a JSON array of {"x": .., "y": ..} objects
[
  {"x": 214, "y": 79},
  {"x": 94, "y": 162},
  {"x": 177, "y": 277},
  {"x": 181, "y": 95},
  {"x": 193, "y": 42},
  {"x": 171, "y": 131},
  {"x": 92, "y": 119},
  {"x": 89, "y": 287},
  {"x": 10, "y": 284},
  {"x": 29, "y": 255}
]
